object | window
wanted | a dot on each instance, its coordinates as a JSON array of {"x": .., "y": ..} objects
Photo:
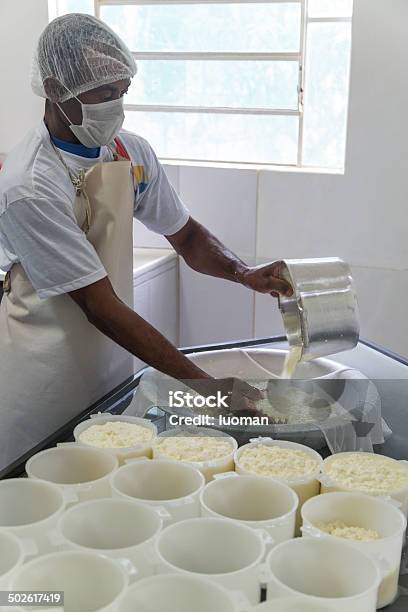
[{"x": 248, "y": 81}]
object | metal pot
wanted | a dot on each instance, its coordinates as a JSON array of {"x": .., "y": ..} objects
[{"x": 322, "y": 314}]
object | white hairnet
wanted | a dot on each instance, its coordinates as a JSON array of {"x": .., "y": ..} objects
[{"x": 76, "y": 53}]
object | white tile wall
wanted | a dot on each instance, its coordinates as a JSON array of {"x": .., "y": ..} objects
[
  {"x": 164, "y": 304},
  {"x": 224, "y": 200},
  {"x": 349, "y": 216},
  {"x": 302, "y": 216},
  {"x": 213, "y": 310},
  {"x": 21, "y": 25},
  {"x": 172, "y": 172},
  {"x": 298, "y": 215},
  {"x": 268, "y": 321},
  {"x": 156, "y": 299},
  {"x": 382, "y": 296},
  {"x": 142, "y": 237}
]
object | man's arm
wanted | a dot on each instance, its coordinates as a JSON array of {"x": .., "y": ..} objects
[
  {"x": 112, "y": 317},
  {"x": 203, "y": 252},
  {"x": 106, "y": 311}
]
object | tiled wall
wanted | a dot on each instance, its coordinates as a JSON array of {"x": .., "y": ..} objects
[
  {"x": 224, "y": 200},
  {"x": 20, "y": 110}
]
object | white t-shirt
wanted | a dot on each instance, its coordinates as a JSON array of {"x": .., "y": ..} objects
[{"x": 37, "y": 224}]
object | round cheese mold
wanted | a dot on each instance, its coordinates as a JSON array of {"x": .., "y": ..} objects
[
  {"x": 211, "y": 451},
  {"x": 359, "y": 517},
  {"x": 124, "y": 436},
  {"x": 279, "y": 462},
  {"x": 115, "y": 434},
  {"x": 365, "y": 472},
  {"x": 294, "y": 464}
]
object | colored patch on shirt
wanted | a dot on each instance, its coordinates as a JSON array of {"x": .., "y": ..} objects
[{"x": 140, "y": 177}]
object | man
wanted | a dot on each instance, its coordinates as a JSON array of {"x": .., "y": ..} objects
[{"x": 68, "y": 194}]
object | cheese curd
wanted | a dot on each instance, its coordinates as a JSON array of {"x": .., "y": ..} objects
[
  {"x": 116, "y": 434},
  {"x": 367, "y": 473},
  {"x": 339, "y": 529},
  {"x": 194, "y": 448},
  {"x": 278, "y": 461}
]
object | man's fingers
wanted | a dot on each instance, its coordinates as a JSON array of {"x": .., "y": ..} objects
[
  {"x": 280, "y": 286},
  {"x": 245, "y": 407},
  {"x": 276, "y": 269},
  {"x": 270, "y": 283},
  {"x": 248, "y": 391}
]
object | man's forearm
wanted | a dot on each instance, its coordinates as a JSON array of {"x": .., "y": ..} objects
[
  {"x": 203, "y": 252},
  {"x": 105, "y": 310},
  {"x": 147, "y": 343},
  {"x": 125, "y": 327}
]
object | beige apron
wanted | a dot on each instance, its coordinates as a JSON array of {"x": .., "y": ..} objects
[{"x": 53, "y": 362}]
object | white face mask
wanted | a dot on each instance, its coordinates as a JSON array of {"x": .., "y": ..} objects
[{"x": 100, "y": 122}]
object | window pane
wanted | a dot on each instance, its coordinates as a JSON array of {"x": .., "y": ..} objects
[
  {"x": 330, "y": 8},
  {"x": 326, "y": 94},
  {"x": 207, "y": 27},
  {"x": 75, "y": 6},
  {"x": 236, "y": 138},
  {"x": 216, "y": 83}
]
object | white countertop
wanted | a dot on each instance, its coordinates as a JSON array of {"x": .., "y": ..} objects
[{"x": 143, "y": 259}]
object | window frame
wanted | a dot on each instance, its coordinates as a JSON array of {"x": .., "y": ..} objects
[{"x": 299, "y": 57}]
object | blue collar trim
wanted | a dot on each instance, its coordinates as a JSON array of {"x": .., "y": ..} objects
[{"x": 76, "y": 148}]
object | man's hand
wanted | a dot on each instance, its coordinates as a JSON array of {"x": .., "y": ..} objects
[
  {"x": 266, "y": 279},
  {"x": 203, "y": 252},
  {"x": 241, "y": 396}
]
